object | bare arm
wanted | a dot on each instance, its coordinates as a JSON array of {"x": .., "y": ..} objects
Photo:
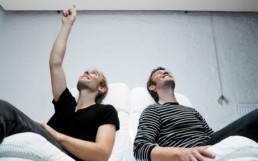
[
  {"x": 85, "y": 150},
  {"x": 94, "y": 151},
  {"x": 58, "y": 78}
]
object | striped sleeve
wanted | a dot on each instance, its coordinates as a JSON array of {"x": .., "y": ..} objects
[
  {"x": 208, "y": 129},
  {"x": 148, "y": 130}
]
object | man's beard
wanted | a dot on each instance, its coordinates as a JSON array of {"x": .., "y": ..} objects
[
  {"x": 170, "y": 84},
  {"x": 82, "y": 85}
]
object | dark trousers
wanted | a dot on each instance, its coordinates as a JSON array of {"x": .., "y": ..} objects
[
  {"x": 13, "y": 121},
  {"x": 245, "y": 126}
]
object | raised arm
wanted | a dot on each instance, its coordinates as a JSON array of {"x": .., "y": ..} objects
[{"x": 58, "y": 79}]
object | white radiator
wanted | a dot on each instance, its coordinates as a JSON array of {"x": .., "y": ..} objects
[{"x": 243, "y": 109}]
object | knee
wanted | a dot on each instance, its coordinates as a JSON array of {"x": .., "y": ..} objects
[
  {"x": 255, "y": 112},
  {"x": 253, "y": 115},
  {"x": 3, "y": 102},
  {"x": 4, "y": 105}
]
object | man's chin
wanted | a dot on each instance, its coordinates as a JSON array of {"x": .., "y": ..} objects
[
  {"x": 170, "y": 82},
  {"x": 81, "y": 85}
]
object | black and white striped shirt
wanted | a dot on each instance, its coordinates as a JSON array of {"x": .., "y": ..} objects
[{"x": 169, "y": 125}]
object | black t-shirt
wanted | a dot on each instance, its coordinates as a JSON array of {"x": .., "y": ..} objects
[{"x": 82, "y": 124}]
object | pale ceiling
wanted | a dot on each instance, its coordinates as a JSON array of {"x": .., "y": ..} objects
[{"x": 190, "y": 5}]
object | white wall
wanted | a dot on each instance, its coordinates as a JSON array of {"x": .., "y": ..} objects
[{"x": 126, "y": 46}]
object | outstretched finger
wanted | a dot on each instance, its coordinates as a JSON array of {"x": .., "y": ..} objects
[
  {"x": 207, "y": 153},
  {"x": 74, "y": 10},
  {"x": 199, "y": 157}
]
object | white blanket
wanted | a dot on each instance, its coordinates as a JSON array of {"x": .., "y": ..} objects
[{"x": 235, "y": 148}]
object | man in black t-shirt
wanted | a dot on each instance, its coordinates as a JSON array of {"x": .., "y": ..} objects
[{"x": 83, "y": 128}]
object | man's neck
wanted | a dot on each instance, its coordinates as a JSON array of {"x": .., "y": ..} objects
[
  {"x": 86, "y": 99},
  {"x": 166, "y": 95}
]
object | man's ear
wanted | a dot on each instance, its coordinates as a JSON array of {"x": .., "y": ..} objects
[
  {"x": 152, "y": 88},
  {"x": 102, "y": 89}
]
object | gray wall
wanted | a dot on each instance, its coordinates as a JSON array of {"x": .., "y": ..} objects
[
  {"x": 1, "y": 18},
  {"x": 126, "y": 46}
]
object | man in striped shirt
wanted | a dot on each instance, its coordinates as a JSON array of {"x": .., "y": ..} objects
[{"x": 168, "y": 131}]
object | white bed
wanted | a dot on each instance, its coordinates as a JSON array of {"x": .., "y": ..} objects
[{"x": 129, "y": 104}]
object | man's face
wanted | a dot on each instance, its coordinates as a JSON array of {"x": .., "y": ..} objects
[
  {"x": 160, "y": 77},
  {"x": 90, "y": 79}
]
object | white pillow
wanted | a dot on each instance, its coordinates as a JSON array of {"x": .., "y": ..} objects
[
  {"x": 31, "y": 146},
  {"x": 235, "y": 148},
  {"x": 119, "y": 96},
  {"x": 122, "y": 138}
]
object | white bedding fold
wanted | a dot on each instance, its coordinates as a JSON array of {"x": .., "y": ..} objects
[{"x": 30, "y": 146}]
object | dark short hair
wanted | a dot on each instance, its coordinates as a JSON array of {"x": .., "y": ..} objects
[{"x": 151, "y": 82}]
